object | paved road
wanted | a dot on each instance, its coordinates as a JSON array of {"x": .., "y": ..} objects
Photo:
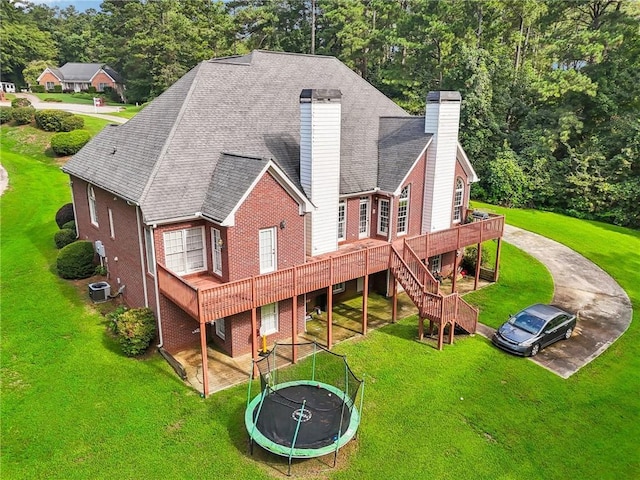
[
  {"x": 581, "y": 286},
  {"x": 90, "y": 110}
]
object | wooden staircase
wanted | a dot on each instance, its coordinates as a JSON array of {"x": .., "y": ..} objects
[{"x": 424, "y": 291}]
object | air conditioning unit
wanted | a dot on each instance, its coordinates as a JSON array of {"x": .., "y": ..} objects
[{"x": 99, "y": 291}]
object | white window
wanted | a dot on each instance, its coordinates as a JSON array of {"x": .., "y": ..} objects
[
  {"x": 267, "y": 250},
  {"x": 383, "y": 216},
  {"x": 342, "y": 221},
  {"x": 403, "y": 211},
  {"x": 216, "y": 247},
  {"x": 93, "y": 211},
  {"x": 269, "y": 319},
  {"x": 435, "y": 264},
  {"x": 184, "y": 250},
  {"x": 363, "y": 230},
  {"x": 220, "y": 331},
  {"x": 50, "y": 85},
  {"x": 457, "y": 200},
  {"x": 101, "y": 86},
  {"x": 148, "y": 245},
  {"x": 339, "y": 287},
  {"x": 112, "y": 232}
]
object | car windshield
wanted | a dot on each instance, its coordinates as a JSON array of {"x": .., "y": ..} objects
[{"x": 527, "y": 322}]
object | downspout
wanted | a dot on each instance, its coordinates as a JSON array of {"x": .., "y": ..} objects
[
  {"x": 73, "y": 205},
  {"x": 141, "y": 247},
  {"x": 157, "y": 289}
]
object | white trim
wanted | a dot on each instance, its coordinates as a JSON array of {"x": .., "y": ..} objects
[
  {"x": 142, "y": 256},
  {"x": 51, "y": 72},
  {"x": 150, "y": 254},
  {"x": 220, "y": 328},
  {"x": 388, "y": 216},
  {"x": 398, "y": 190},
  {"x": 406, "y": 214},
  {"x": 272, "y": 265},
  {"x": 184, "y": 250},
  {"x": 457, "y": 208},
  {"x": 267, "y": 315},
  {"x": 342, "y": 203},
  {"x": 103, "y": 71},
  {"x": 280, "y": 177},
  {"x": 216, "y": 251},
  {"x": 472, "y": 177},
  {"x": 112, "y": 232},
  {"x": 93, "y": 205},
  {"x": 364, "y": 201}
]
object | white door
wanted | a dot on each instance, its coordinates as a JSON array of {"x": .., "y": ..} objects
[
  {"x": 267, "y": 250},
  {"x": 364, "y": 217},
  {"x": 269, "y": 319},
  {"x": 216, "y": 248}
]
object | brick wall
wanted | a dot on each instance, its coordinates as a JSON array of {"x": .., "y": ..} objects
[
  {"x": 49, "y": 77},
  {"x": 266, "y": 206},
  {"x": 102, "y": 77},
  {"x": 179, "y": 330},
  {"x": 241, "y": 326},
  {"x": 122, "y": 249}
]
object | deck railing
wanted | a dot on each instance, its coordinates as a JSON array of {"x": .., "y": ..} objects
[{"x": 208, "y": 304}]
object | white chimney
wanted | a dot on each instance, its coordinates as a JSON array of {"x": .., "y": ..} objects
[
  {"x": 442, "y": 119},
  {"x": 320, "y": 113}
]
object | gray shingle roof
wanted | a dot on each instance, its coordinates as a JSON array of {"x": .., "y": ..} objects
[
  {"x": 171, "y": 158},
  {"x": 402, "y": 139},
  {"x": 83, "y": 72}
]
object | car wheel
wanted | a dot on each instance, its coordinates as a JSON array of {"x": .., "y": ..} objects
[
  {"x": 535, "y": 349},
  {"x": 568, "y": 333}
]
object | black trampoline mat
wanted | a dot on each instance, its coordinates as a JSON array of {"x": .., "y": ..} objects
[{"x": 320, "y": 418}]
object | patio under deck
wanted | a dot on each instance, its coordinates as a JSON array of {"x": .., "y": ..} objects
[{"x": 225, "y": 372}]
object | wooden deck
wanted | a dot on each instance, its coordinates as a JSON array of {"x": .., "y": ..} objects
[{"x": 205, "y": 299}]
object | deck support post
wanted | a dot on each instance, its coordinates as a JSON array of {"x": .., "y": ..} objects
[
  {"x": 294, "y": 320},
  {"x": 365, "y": 294},
  {"x": 496, "y": 270},
  {"x": 454, "y": 276},
  {"x": 254, "y": 340},
  {"x": 420, "y": 327},
  {"x": 205, "y": 359},
  {"x": 478, "y": 263},
  {"x": 441, "y": 325},
  {"x": 394, "y": 303},
  {"x": 330, "y": 308}
]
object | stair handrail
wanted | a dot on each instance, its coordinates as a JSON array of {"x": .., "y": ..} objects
[{"x": 431, "y": 284}]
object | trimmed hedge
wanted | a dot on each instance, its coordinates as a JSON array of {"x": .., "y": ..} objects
[
  {"x": 76, "y": 260},
  {"x": 38, "y": 89},
  {"x": 64, "y": 237},
  {"x": 65, "y": 215},
  {"x": 135, "y": 329},
  {"x": 20, "y": 102},
  {"x": 74, "y": 122},
  {"x": 23, "y": 115},
  {"x": 6, "y": 114},
  {"x": 51, "y": 120},
  {"x": 70, "y": 225},
  {"x": 69, "y": 143}
]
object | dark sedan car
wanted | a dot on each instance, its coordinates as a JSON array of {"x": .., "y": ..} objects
[{"x": 535, "y": 327}]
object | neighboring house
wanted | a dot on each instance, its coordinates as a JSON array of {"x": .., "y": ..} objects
[
  {"x": 77, "y": 77},
  {"x": 8, "y": 87},
  {"x": 262, "y": 186}
]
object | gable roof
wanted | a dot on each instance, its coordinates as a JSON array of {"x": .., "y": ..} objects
[
  {"x": 196, "y": 148},
  {"x": 84, "y": 72}
]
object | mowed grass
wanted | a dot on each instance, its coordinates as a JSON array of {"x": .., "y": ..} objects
[{"x": 74, "y": 407}]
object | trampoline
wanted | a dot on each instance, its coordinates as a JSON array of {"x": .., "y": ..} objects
[{"x": 304, "y": 410}]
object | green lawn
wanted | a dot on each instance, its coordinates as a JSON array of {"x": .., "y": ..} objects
[
  {"x": 79, "y": 98},
  {"x": 74, "y": 408}
]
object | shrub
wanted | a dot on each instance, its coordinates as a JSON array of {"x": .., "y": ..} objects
[
  {"x": 113, "y": 318},
  {"x": 6, "y": 114},
  {"x": 23, "y": 115},
  {"x": 69, "y": 143},
  {"x": 76, "y": 260},
  {"x": 65, "y": 215},
  {"x": 38, "y": 88},
  {"x": 64, "y": 237},
  {"x": 91, "y": 89},
  {"x": 52, "y": 100},
  {"x": 20, "y": 102},
  {"x": 135, "y": 329},
  {"x": 51, "y": 120},
  {"x": 57, "y": 88},
  {"x": 74, "y": 122},
  {"x": 470, "y": 258},
  {"x": 70, "y": 226}
]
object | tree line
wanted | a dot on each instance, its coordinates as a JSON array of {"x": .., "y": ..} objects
[{"x": 551, "y": 106}]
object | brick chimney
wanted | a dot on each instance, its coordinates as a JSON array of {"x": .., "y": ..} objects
[
  {"x": 320, "y": 120},
  {"x": 442, "y": 119}
]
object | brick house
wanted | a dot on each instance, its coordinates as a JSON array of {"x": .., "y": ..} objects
[
  {"x": 77, "y": 77},
  {"x": 260, "y": 187}
]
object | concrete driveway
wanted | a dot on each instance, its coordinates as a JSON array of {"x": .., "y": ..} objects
[{"x": 581, "y": 286}]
